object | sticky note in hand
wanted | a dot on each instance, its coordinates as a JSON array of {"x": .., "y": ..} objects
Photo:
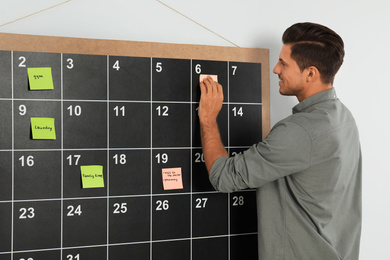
[
  {"x": 92, "y": 176},
  {"x": 172, "y": 179},
  {"x": 40, "y": 78},
  {"x": 203, "y": 76},
  {"x": 43, "y": 128}
]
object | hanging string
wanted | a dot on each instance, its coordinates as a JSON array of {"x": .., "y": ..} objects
[
  {"x": 192, "y": 20},
  {"x": 21, "y": 18}
]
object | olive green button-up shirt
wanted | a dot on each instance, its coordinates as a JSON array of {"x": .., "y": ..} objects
[{"x": 308, "y": 175}]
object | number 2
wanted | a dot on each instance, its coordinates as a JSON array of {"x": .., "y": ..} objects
[{"x": 23, "y": 61}]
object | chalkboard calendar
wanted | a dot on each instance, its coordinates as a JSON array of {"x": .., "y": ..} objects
[{"x": 131, "y": 108}]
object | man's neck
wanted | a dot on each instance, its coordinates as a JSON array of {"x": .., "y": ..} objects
[{"x": 311, "y": 90}]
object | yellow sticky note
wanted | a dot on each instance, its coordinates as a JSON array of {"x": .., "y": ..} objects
[
  {"x": 172, "y": 179},
  {"x": 203, "y": 76},
  {"x": 92, "y": 176},
  {"x": 40, "y": 78},
  {"x": 43, "y": 128}
]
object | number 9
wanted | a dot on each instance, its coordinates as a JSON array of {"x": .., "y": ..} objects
[{"x": 22, "y": 110}]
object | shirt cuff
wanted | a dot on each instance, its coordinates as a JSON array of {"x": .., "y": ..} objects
[{"x": 215, "y": 171}]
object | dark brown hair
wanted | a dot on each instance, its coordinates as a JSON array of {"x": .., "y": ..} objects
[{"x": 315, "y": 45}]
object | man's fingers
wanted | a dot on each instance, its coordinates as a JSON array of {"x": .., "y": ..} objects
[
  {"x": 203, "y": 88},
  {"x": 219, "y": 88},
  {"x": 211, "y": 85}
]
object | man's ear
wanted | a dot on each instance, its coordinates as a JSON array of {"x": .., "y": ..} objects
[{"x": 312, "y": 74}]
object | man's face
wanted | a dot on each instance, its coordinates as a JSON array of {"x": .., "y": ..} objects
[{"x": 291, "y": 80}]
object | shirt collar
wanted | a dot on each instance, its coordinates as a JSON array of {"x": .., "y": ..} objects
[{"x": 325, "y": 95}]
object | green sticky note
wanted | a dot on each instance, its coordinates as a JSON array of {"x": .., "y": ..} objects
[
  {"x": 92, "y": 176},
  {"x": 40, "y": 78},
  {"x": 43, "y": 128}
]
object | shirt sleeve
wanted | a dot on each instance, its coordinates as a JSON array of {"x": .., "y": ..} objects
[{"x": 286, "y": 150}]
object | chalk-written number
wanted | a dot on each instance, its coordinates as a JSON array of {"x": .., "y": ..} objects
[
  {"x": 234, "y": 70},
  {"x": 22, "y": 110},
  {"x": 71, "y": 257},
  {"x": 76, "y": 110},
  {"x": 199, "y": 158},
  {"x": 159, "y": 67},
  {"x": 235, "y": 153},
  {"x": 74, "y": 211},
  {"x": 162, "y": 205},
  {"x": 73, "y": 159},
  {"x": 198, "y": 68},
  {"x": 120, "y": 208},
  {"x": 119, "y": 158},
  {"x": 237, "y": 111},
  {"x": 119, "y": 111},
  {"x": 30, "y": 258},
  {"x": 23, "y": 61},
  {"x": 238, "y": 200},
  {"x": 201, "y": 203},
  {"x": 162, "y": 158},
  {"x": 116, "y": 65},
  {"x": 162, "y": 110},
  {"x": 26, "y": 213},
  {"x": 70, "y": 63},
  {"x": 28, "y": 160}
]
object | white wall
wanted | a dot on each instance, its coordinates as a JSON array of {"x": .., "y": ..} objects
[{"x": 362, "y": 83}]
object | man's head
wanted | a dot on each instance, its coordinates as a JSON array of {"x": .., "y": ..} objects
[
  {"x": 315, "y": 45},
  {"x": 309, "y": 60}
]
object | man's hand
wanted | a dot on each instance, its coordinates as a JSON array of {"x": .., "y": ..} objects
[
  {"x": 209, "y": 106},
  {"x": 210, "y": 100}
]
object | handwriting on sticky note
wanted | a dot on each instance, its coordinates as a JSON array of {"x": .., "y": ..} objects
[
  {"x": 40, "y": 78},
  {"x": 92, "y": 176},
  {"x": 203, "y": 76},
  {"x": 43, "y": 128},
  {"x": 172, "y": 179}
]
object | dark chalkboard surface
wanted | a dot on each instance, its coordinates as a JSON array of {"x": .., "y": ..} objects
[{"x": 130, "y": 107}]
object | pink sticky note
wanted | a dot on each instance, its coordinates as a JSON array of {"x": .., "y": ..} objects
[
  {"x": 172, "y": 179},
  {"x": 203, "y": 76}
]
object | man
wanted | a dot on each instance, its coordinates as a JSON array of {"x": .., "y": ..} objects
[{"x": 307, "y": 171}]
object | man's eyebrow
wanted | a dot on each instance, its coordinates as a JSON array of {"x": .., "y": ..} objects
[{"x": 281, "y": 60}]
